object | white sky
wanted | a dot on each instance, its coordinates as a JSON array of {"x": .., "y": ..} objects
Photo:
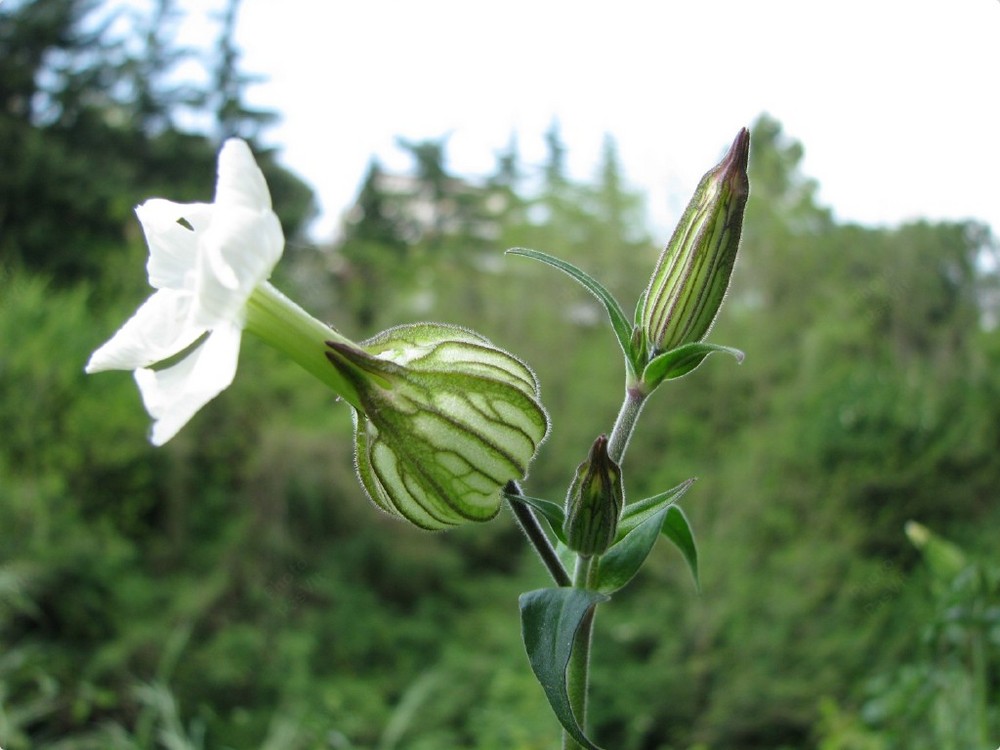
[{"x": 897, "y": 102}]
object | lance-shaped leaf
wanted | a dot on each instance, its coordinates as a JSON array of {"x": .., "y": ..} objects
[
  {"x": 552, "y": 512},
  {"x": 620, "y": 563},
  {"x": 624, "y": 559},
  {"x": 446, "y": 420},
  {"x": 619, "y": 322},
  {"x": 550, "y": 619},
  {"x": 677, "y": 529},
  {"x": 675, "y": 525},
  {"x": 637, "y": 512}
]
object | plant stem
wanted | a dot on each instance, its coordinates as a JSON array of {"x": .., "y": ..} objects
[
  {"x": 628, "y": 415},
  {"x": 578, "y": 673},
  {"x": 532, "y": 529}
]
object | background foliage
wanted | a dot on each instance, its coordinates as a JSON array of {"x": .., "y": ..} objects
[{"x": 235, "y": 590}]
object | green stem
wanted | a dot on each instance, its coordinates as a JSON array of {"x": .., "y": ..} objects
[
  {"x": 532, "y": 529},
  {"x": 578, "y": 673},
  {"x": 294, "y": 332},
  {"x": 628, "y": 415}
]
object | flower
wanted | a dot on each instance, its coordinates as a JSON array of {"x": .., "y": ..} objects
[
  {"x": 445, "y": 420},
  {"x": 205, "y": 261}
]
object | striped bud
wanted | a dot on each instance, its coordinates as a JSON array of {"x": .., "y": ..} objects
[
  {"x": 594, "y": 502},
  {"x": 446, "y": 420},
  {"x": 692, "y": 274}
]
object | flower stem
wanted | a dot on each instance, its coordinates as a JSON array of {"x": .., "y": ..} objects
[
  {"x": 628, "y": 415},
  {"x": 578, "y": 674},
  {"x": 532, "y": 529},
  {"x": 291, "y": 330},
  {"x": 578, "y": 671}
]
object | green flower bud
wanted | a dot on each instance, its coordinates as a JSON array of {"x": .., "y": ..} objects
[
  {"x": 445, "y": 420},
  {"x": 594, "y": 502},
  {"x": 944, "y": 558},
  {"x": 692, "y": 274}
]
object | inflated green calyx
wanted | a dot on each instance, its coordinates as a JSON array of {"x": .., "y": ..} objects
[{"x": 446, "y": 420}]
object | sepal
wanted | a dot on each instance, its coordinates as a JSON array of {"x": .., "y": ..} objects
[{"x": 446, "y": 420}]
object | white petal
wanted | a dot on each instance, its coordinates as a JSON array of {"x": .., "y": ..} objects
[
  {"x": 240, "y": 181},
  {"x": 160, "y": 328},
  {"x": 173, "y": 248},
  {"x": 238, "y": 252},
  {"x": 174, "y": 395}
]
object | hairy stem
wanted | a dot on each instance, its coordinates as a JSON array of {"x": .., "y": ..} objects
[
  {"x": 628, "y": 415},
  {"x": 585, "y": 574},
  {"x": 578, "y": 671},
  {"x": 532, "y": 529}
]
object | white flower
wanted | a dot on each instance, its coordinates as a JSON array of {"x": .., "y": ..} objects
[{"x": 205, "y": 260}]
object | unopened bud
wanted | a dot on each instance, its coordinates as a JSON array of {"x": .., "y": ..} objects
[
  {"x": 445, "y": 420},
  {"x": 945, "y": 559},
  {"x": 692, "y": 274},
  {"x": 594, "y": 502}
]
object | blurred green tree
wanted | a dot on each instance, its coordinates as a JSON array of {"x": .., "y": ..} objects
[{"x": 87, "y": 123}]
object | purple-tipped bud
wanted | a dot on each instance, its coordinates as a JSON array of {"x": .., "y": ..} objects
[
  {"x": 692, "y": 275},
  {"x": 594, "y": 502}
]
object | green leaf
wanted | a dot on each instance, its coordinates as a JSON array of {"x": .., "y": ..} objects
[
  {"x": 566, "y": 556},
  {"x": 622, "y": 561},
  {"x": 638, "y": 341},
  {"x": 637, "y": 316},
  {"x": 677, "y": 529},
  {"x": 648, "y": 519},
  {"x": 550, "y": 619},
  {"x": 637, "y": 512},
  {"x": 552, "y": 512},
  {"x": 619, "y": 323},
  {"x": 681, "y": 361}
]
